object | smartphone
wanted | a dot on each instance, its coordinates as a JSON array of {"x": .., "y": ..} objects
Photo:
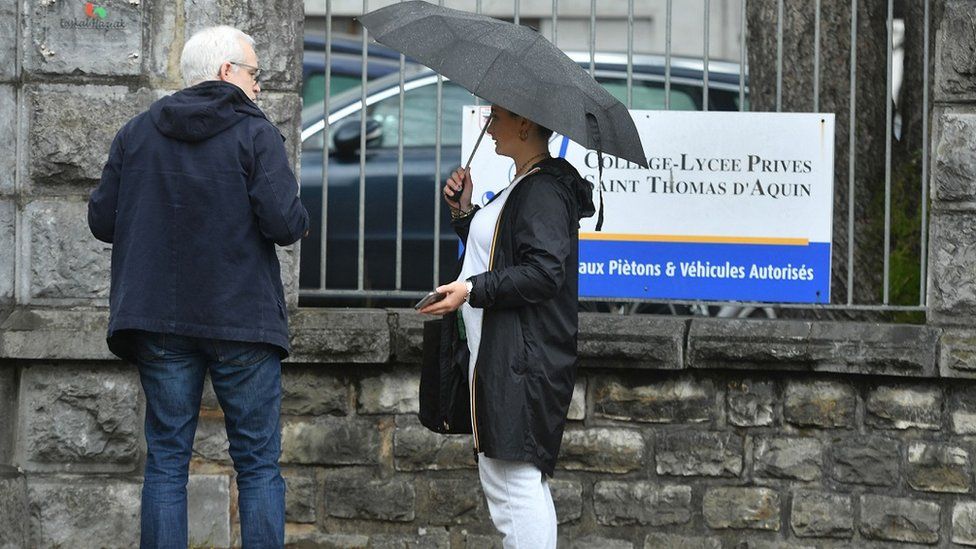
[{"x": 432, "y": 297}]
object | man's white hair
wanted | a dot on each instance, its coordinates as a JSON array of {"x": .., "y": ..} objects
[{"x": 208, "y": 49}]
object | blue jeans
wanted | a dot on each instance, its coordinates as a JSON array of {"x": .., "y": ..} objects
[{"x": 247, "y": 380}]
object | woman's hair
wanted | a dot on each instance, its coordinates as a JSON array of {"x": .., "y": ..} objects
[{"x": 208, "y": 49}]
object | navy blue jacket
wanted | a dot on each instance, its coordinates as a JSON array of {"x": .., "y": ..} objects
[{"x": 195, "y": 195}]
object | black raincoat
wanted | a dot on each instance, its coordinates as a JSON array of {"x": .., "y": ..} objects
[{"x": 526, "y": 366}]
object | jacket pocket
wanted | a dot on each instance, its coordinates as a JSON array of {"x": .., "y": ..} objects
[{"x": 520, "y": 362}]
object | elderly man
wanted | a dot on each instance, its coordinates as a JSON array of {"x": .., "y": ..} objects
[{"x": 195, "y": 195}]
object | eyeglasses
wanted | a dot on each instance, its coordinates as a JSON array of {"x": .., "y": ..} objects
[{"x": 254, "y": 72}]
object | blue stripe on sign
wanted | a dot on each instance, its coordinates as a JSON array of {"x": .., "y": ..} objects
[
  {"x": 563, "y": 147},
  {"x": 718, "y": 272}
]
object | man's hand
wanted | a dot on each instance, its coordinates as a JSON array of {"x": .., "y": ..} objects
[{"x": 455, "y": 293}]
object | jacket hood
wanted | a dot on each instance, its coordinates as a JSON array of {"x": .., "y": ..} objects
[
  {"x": 202, "y": 111},
  {"x": 569, "y": 176}
]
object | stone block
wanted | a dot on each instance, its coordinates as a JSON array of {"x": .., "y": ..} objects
[
  {"x": 899, "y": 519},
  {"x": 865, "y": 460},
  {"x": 408, "y": 335},
  {"x": 72, "y": 128},
  {"x": 671, "y": 541},
  {"x": 476, "y": 541},
  {"x": 9, "y": 21},
  {"x": 635, "y": 341},
  {"x": 81, "y": 418},
  {"x": 597, "y": 542},
  {"x": 698, "y": 453},
  {"x": 395, "y": 392},
  {"x": 938, "y": 468},
  {"x": 601, "y": 449},
  {"x": 789, "y": 458},
  {"x": 303, "y": 539},
  {"x": 741, "y": 507},
  {"x": 750, "y": 403},
  {"x": 954, "y": 168},
  {"x": 820, "y": 514},
  {"x": 210, "y": 441},
  {"x": 844, "y": 347},
  {"x": 284, "y": 111},
  {"x": 415, "y": 448},
  {"x": 62, "y": 38},
  {"x": 310, "y": 391},
  {"x": 275, "y": 25},
  {"x": 455, "y": 501},
  {"x": 8, "y": 415},
  {"x": 820, "y": 403},
  {"x": 14, "y": 516},
  {"x": 957, "y": 353},
  {"x": 47, "y": 334},
  {"x": 962, "y": 409},
  {"x": 208, "y": 510},
  {"x": 288, "y": 262},
  {"x": 964, "y": 523},
  {"x": 654, "y": 400},
  {"x": 792, "y": 544},
  {"x": 83, "y": 513},
  {"x": 577, "y": 406},
  {"x": 333, "y": 336},
  {"x": 66, "y": 262},
  {"x": 425, "y": 538},
  {"x": 619, "y": 503},
  {"x": 952, "y": 258},
  {"x": 328, "y": 440},
  {"x": 567, "y": 496},
  {"x": 370, "y": 499},
  {"x": 300, "y": 498},
  {"x": 955, "y": 70},
  {"x": 8, "y": 126},
  {"x": 899, "y": 407}
]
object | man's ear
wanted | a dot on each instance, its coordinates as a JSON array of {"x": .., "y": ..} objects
[{"x": 225, "y": 70}]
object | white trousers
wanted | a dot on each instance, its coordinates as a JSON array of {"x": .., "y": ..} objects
[{"x": 519, "y": 502}]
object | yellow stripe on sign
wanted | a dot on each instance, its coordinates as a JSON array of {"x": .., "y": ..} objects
[{"x": 705, "y": 239}]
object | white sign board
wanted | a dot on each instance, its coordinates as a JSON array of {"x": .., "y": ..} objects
[{"x": 735, "y": 206}]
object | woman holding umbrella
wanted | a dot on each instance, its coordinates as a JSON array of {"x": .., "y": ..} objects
[{"x": 518, "y": 298}]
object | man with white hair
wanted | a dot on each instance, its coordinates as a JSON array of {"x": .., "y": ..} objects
[{"x": 195, "y": 195}]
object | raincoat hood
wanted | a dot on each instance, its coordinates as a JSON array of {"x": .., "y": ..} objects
[
  {"x": 567, "y": 174},
  {"x": 202, "y": 111}
]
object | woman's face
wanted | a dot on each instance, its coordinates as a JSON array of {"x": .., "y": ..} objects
[{"x": 504, "y": 129}]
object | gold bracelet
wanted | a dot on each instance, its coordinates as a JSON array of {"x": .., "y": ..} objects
[{"x": 460, "y": 214}]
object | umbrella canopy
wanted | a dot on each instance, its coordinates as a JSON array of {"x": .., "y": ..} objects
[{"x": 511, "y": 66}]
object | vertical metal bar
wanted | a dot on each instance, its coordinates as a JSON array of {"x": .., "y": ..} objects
[
  {"x": 555, "y": 20},
  {"x": 779, "y": 57},
  {"x": 324, "y": 229},
  {"x": 478, "y": 9},
  {"x": 851, "y": 156},
  {"x": 398, "y": 283},
  {"x": 437, "y": 175},
  {"x": 816, "y": 56},
  {"x": 708, "y": 9},
  {"x": 742, "y": 58},
  {"x": 630, "y": 54},
  {"x": 362, "y": 167},
  {"x": 667, "y": 56},
  {"x": 888, "y": 113},
  {"x": 593, "y": 38},
  {"x": 923, "y": 245},
  {"x": 517, "y": 10}
]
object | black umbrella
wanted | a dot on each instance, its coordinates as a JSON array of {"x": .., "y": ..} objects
[{"x": 513, "y": 67}]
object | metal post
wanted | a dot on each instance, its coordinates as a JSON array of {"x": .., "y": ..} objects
[
  {"x": 324, "y": 229},
  {"x": 816, "y": 57},
  {"x": 923, "y": 245},
  {"x": 779, "y": 57},
  {"x": 888, "y": 93},
  {"x": 708, "y": 9},
  {"x": 667, "y": 57},
  {"x": 851, "y": 156},
  {"x": 398, "y": 283},
  {"x": 437, "y": 170},
  {"x": 630, "y": 54},
  {"x": 516, "y": 10},
  {"x": 593, "y": 38},
  {"x": 742, "y": 58},
  {"x": 362, "y": 167},
  {"x": 555, "y": 20}
]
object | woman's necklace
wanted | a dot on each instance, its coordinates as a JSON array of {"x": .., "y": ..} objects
[{"x": 529, "y": 161}]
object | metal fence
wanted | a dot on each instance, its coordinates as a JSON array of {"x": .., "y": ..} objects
[{"x": 322, "y": 288}]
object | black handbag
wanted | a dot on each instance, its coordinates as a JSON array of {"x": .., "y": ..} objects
[{"x": 445, "y": 405}]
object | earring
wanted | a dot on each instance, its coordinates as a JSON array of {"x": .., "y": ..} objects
[{"x": 523, "y": 135}]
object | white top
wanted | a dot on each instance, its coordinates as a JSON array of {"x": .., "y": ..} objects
[{"x": 477, "y": 254}]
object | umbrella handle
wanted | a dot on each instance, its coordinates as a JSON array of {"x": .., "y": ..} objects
[{"x": 456, "y": 195}]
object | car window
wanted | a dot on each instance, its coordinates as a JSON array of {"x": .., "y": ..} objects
[
  {"x": 650, "y": 95},
  {"x": 313, "y": 89},
  {"x": 419, "y": 115}
]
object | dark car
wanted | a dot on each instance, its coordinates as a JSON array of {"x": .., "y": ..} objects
[
  {"x": 346, "y": 65},
  {"x": 422, "y": 177}
]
